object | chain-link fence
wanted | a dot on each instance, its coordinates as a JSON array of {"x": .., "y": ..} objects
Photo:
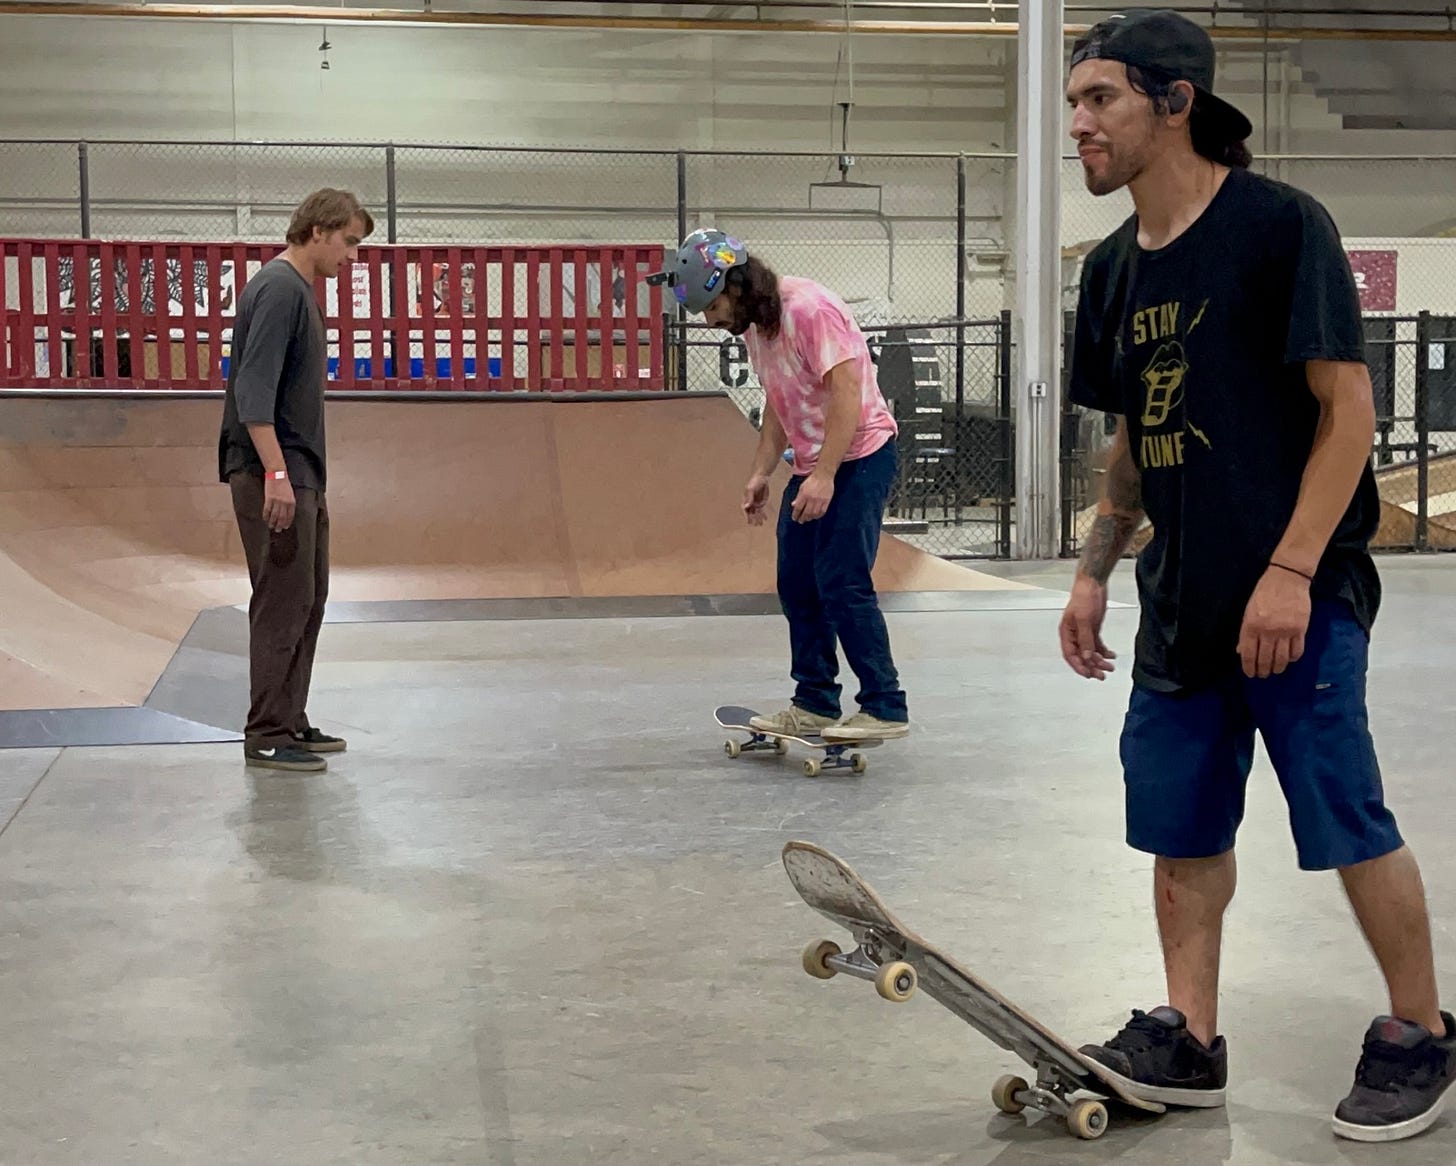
[
  {"x": 1397, "y": 220},
  {"x": 919, "y": 246},
  {"x": 907, "y": 241},
  {"x": 915, "y": 244},
  {"x": 1413, "y": 371},
  {"x": 41, "y": 189},
  {"x": 949, "y": 386}
]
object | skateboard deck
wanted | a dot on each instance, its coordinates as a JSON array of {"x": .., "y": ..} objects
[
  {"x": 898, "y": 962},
  {"x": 732, "y": 716}
]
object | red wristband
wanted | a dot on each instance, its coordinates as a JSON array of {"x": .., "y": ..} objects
[{"x": 276, "y": 475}]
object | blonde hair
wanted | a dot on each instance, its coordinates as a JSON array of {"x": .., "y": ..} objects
[{"x": 329, "y": 210}]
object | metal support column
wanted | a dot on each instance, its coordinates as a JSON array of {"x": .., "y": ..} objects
[
  {"x": 682, "y": 231},
  {"x": 1037, "y": 391},
  {"x": 83, "y": 162},
  {"x": 391, "y": 213},
  {"x": 960, "y": 277},
  {"x": 1423, "y": 431},
  {"x": 391, "y": 196}
]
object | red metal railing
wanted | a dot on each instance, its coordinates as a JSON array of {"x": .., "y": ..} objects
[{"x": 479, "y": 318}]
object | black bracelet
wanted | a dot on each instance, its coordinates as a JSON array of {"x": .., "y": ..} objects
[{"x": 1294, "y": 570}]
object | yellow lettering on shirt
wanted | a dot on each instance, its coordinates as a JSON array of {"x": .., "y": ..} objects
[
  {"x": 1155, "y": 323},
  {"x": 1162, "y": 450}
]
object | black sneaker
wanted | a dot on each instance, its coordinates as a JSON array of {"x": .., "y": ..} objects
[
  {"x": 317, "y": 742},
  {"x": 1156, "y": 1058},
  {"x": 282, "y": 757},
  {"x": 1400, "y": 1083}
]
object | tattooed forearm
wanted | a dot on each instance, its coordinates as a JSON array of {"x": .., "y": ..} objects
[
  {"x": 1124, "y": 483},
  {"x": 1118, "y": 516},
  {"x": 1106, "y": 541}
]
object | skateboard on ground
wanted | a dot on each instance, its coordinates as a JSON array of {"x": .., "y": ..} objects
[
  {"x": 898, "y": 961},
  {"x": 732, "y": 716}
]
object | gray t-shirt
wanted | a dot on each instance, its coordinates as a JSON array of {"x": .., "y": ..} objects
[{"x": 278, "y": 372}]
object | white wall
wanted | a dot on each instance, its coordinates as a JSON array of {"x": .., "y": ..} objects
[
  {"x": 548, "y": 89},
  {"x": 71, "y": 77},
  {"x": 541, "y": 89},
  {"x": 1424, "y": 272}
]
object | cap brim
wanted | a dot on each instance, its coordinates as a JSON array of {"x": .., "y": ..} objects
[{"x": 1229, "y": 118}]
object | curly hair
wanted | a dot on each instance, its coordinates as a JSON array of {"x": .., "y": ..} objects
[{"x": 757, "y": 301}]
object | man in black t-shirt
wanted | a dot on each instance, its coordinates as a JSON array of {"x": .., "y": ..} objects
[
  {"x": 1221, "y": 326},
  {"x": 271, "y": 454}
]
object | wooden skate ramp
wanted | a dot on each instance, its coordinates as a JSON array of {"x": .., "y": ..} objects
[
  {"x": 1398, "y": 489},
  {"x": 115, "y": 532}
]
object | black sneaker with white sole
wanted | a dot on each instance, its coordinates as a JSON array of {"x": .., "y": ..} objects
[
  {"x": 316, "y": 741},
  {"x": 1401, "y": 1082},
  {"x": 1156, "y": 1058},
  {"x": 283, "y": 757}
]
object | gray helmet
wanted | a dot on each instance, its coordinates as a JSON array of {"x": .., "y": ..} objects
[{"x": 696, "y": 273}]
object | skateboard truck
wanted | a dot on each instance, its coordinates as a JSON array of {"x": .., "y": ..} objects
[
  {"x": 837, "y": 754},
  {"x": 1069, "y": 1085},
  {"x": 897, "y": 981},
  {"x": 894, "y": 980},
  {"x": 834, "y": 753},
  {"x": 1086, "y": 1118},
  {"x": 757, "y": 742}
]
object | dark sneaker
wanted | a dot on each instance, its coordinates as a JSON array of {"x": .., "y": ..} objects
[
  {"x": 282, "y": 757},
  {"x": 317, "y": 742},
  {"x": 1156, "y": 1058},
  {"x": 1401, "y": 1081}
]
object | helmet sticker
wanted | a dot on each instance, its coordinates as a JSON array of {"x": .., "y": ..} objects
[{"x": 721, "y": 255}]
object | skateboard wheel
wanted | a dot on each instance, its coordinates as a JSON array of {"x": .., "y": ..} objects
[
  {"x": 781, "y": 746},
  {"x": 815, "y": 955},
  {"x": 857, "y": 762},
  {"x": 896, "y": 981},
  {"x": 732, "y": 748},
  {"x": 812, "y": 768},
  {"x": 1088, "y": 1119},
  {"x": 1003, "y": 1094}
]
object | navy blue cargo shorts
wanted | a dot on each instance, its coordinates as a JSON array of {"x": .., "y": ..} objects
[{"x": 1186, "y": 757}]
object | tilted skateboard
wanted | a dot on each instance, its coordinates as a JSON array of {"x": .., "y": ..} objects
[
  {"x": 898, "y": 961},
  {"x": 732, "y": 716}
]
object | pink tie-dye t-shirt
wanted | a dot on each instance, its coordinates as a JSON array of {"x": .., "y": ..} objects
[{"x": 816, "y": 332}]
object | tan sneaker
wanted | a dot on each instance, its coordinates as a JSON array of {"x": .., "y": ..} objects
[
  {"x": 863, "y": 727},
  {"x": 792, "y": 722}
]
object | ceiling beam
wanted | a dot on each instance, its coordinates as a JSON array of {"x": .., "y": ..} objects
[{"x": 305, "y": 14}]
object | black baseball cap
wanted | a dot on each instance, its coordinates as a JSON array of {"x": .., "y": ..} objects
[{"x": 1169, "y": 46}]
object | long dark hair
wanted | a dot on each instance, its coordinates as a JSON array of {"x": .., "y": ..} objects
[
  {"x": 758, "y": 299},
  {"x": 1208, "y": 141}
]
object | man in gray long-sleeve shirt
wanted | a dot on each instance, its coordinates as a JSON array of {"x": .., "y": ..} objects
[{"x": 271, "y": 453}]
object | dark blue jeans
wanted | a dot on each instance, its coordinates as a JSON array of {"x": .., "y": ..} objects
[{"x": 827, "y": 594}]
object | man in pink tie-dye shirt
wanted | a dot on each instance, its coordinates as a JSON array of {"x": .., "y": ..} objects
[{"x": 825, "y": 404}]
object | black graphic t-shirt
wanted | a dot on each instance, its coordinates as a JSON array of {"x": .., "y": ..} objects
[{"x": 1201, "y": 346}]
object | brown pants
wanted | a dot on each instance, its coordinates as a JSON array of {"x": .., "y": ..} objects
[{"x": 290, "y": 574}]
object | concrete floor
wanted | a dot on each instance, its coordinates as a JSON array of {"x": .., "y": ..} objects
[{"x": 536, "y": 917}]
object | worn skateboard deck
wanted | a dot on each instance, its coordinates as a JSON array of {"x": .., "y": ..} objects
[
  {"x": 899, "y": 961},
  {"x": 732, "y": 716}
]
